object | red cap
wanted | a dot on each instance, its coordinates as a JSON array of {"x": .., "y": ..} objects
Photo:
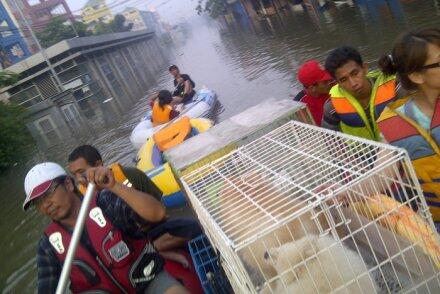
[{"x": 311, "y": 72}]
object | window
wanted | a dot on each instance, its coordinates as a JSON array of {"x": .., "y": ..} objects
[
  {"x": 46, "y": 125},
  {"x": 26, "y": 97},
  {"x": 33, "y": 2},
  {"x": 5, "y": 29},
  {"x": 71, "y": 74},
  {"x": 71, "y": 115},
  {"x": 47, "y": 129},
  {"x": 108, "y": 72}
]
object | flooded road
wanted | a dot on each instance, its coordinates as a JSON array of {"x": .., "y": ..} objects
[{"x": 244, "y": 62}]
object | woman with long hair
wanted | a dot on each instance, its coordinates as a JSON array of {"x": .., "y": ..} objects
[
  {"x": 163, "y": 110},
  {"x": 413, "y": 122}
]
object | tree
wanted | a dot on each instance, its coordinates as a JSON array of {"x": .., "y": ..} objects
[
  {"x": 13, "y": 132},
  {"x": 8, "y": 78},
  {"x": 56, "y": 31},
  {"x": 214, "y": 8},
  {"x": 116, "y": 25}
]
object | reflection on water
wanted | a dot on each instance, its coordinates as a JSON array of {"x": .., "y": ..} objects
[{"x": 245, "y": 62}]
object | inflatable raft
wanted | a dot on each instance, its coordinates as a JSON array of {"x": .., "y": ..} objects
[
  {"x": 151, "y": 161},
  {"x": 201, "y": 106}
]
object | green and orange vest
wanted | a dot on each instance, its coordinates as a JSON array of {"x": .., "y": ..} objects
[
  {"x": 354, "y": 120},
  {"x": 422, "y": 146}
]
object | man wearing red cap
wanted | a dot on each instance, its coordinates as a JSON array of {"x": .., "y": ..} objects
[
  {"x": 317, "y": 84},
  {"x": 112, "y": 257}
]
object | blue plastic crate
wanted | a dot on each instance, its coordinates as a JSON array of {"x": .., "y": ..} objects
[{"x": 210, "y": 273}]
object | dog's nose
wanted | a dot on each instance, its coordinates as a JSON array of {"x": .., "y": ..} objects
[{"x": 266, "y": 255}]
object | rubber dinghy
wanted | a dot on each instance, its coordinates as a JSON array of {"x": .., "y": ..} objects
[
  {"x": 151, "y": 161},
  {"x": 201, "y": 106}
]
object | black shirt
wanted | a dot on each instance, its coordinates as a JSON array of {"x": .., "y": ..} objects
[
  {"x": 142, "y": 182},
  {"x": 180, "y": 88}
]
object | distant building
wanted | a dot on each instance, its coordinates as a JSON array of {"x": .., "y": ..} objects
[
  {"x": 38, "y": 14},
  {"x": 111, "y": 70},
  {"x": 96, "y": 11},
  {"x": 12, "y": 45},
  {"x": 142, "y": 20}
]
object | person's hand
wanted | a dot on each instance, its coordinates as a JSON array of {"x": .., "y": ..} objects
[
  {"x": 101, "y": 176},
  {"x": 175, "y": 102},
  {"x": 179, "y": 107}
]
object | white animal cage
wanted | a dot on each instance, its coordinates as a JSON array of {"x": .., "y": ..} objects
[{"x": 303, "y": 209}]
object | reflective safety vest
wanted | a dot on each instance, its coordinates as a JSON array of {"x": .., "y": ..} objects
[
  {"x": 114, "y": 263},
  {"x": 160, "y": 115},
  {"x": 423, "y": 148},
  {"x": 119, "y": 175},
  {"x": 354, "y": 120}
]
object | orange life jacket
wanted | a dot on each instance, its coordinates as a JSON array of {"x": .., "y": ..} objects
[
  {"x": 173, "y": 135},
  {"x": 160, "y": 115}
]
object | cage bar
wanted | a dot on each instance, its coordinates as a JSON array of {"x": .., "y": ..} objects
[{"x": 306, "y": 209}]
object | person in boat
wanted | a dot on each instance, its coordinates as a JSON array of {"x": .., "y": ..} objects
[
  {"x": 359, "y": 96},
  {"x": 163, "y": 108},
  {"x": 317, "y": 84},
  {"x": 112, "y": 256},
  {"x": 183, "y": 86},
  {"x": 168, "y": 234},
  {"x": 413, "y": 122}
]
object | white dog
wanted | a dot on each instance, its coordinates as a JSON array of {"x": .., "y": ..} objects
[{"x": 318, "y": 265}]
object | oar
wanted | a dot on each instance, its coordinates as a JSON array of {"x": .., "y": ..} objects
[{"x": 76, "y": 236}]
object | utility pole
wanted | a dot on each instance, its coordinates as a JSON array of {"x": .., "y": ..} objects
[{"x": 58, "y": 83}]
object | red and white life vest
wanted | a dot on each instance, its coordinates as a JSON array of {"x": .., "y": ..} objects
[{"x": 117, "y": 264}]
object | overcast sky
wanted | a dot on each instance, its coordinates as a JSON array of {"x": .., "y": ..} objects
[{"x": 169, "y": 9}]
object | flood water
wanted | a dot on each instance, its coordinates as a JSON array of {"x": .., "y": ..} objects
[{"x": 244, "y": 62}]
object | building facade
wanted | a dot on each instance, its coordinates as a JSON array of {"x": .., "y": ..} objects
[
  {"x": 38, "y": 14},
  {"x": 13, "y": 48},
  {"x": 141, "y": 20},
  {"x": 96, "y": 11},
  {"x": 112, "y": 71}
]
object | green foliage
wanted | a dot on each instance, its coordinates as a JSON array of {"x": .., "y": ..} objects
[
  {"x": 13, "y": 134},
  {"x": 8, "y": 78},
  {"x": 214, "y": 8},
  {"x": 56, "y": 31},
  {"x": 117, "y": 25}
]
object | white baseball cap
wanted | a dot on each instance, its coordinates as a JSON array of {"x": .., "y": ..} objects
[{"x": 39, "y": 179}]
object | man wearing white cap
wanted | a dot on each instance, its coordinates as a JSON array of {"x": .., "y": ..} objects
[{"x": 112, "y": 256}]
